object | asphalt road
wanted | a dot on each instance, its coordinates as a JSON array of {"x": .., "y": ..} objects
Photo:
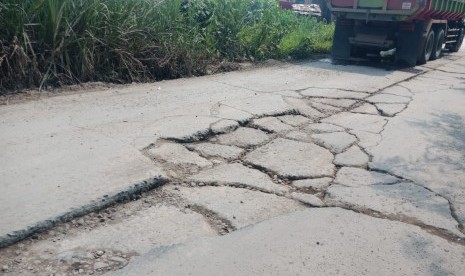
[{"x": 285, "y": 169}]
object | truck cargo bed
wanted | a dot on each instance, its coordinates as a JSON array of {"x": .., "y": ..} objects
[{"x": 399, "y": 10}]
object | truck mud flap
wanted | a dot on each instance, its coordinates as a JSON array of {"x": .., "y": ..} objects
[
  {"x": 410, "y": 42},
  {"x": 341, "y": 44}
]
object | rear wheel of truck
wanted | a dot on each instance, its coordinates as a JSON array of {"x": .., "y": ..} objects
[
  {"x": 438, "y": 44},
  {"x": 455, "y": 47},
  {"x": 427, "y": 50}
]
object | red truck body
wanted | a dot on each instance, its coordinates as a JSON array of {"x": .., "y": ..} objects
[{"x": 412, "y": 31}]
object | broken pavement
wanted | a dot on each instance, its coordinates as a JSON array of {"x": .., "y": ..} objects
[{"x": 303, "y": 148}]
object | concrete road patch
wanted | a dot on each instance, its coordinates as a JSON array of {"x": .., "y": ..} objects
[
  {"x": 354, "y": 177},
  {"x": 406, "y": 200},
  {"x": 352, "y": 157},
  {"x": 139, "y": 233},
  {"x": 224, "y": 126},
  {"x": 360, "y": 122},
  {"x": 326, "y": 108},
  {"x": 390, "y": 109},
  {"x": 271, "y": 124},
  {"x": 333, "y": 93},
  {"x": 388, "y": 98},
  {"x": 67, "y": 156},
  {"x": 294, "y": 120},
  {"x": 241, "y": 207},
  {"x": 336, "y": 142},
  {"x": 328, "y": 241},
  {"x": 426, "y": 143},
  {"x": 178, "y": 155},
  {"x": 293, "y": 159},
  {"x": 308, "y": 199},
  {"x": 299, "y": 136},
  {"x": 66, "y": 173},
  {"x": 216, "y": 150},
  {"x": 262, "y": 105},
  {"x": 366, "y": 109},
  {"x": 323, "y": 128},
  {"x": 367, "y": 139},
  {"x": 398, "y": 90},
  {"x": 243, "y": 137},
  {"x": 238, "y": 175},
  {"x": 342, "y": 103},
  {"x": 316, "y": 184},
  {"x": 305, "y": 108}
]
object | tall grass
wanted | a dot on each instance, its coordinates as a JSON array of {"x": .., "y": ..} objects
[{"x": 57, "y": 42}]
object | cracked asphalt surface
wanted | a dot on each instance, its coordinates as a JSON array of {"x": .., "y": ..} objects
[{"x": 287, "y": 169}]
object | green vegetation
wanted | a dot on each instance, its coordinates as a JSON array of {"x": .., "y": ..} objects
[{"x": 58, "y": 42}]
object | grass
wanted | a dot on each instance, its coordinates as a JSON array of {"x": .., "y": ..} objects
[{"x": 57, "y": 42}]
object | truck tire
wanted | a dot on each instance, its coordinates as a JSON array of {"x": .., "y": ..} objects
[
  {"x": 425, "y": 53},
  {"x": 438, "y": 43},
  {"x": 456, "y": 46}
]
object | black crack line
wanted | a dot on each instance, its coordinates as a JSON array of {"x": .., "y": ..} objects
[
  {"x": 220, "y": 224},
  {"x": 448, "y": 72},
  {"x": 451, "y": 206},
  {"x": 333, "y": 88},
  {"x": 239, "y": 186},
  {"x": 100, "y": 204},
  {"x": 442, "y": 233}
]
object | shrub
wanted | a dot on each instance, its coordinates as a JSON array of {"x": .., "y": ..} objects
[{"x": 307, "y": 38}]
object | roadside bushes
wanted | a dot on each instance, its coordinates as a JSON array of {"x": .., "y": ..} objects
[
  {"x": 307, "y": 38},
  {"x": 57, "y": 42}
]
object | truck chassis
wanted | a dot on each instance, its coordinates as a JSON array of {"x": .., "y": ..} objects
[
  {"x": 414, "y": 42},
  {"x": 405, "y": 37}
]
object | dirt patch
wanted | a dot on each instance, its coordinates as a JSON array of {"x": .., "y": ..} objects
[{"x": 20, "y": 96}]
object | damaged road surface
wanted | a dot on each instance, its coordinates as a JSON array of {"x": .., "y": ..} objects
[{"x": 286, "y": 169}]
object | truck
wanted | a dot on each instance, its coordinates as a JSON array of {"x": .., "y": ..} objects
[{"x": 409, "y": 32}]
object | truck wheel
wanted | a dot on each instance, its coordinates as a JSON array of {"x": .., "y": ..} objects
[
  {"x": 427, "y": 50},
  {"x": 438, "y": 44},
  {"x": 456, "y": 46}
]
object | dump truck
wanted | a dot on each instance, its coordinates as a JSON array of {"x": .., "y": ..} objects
[{"x": 410, "y": 32}]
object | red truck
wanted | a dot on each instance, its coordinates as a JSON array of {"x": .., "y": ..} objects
[{"x": 409, "y": 31}]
